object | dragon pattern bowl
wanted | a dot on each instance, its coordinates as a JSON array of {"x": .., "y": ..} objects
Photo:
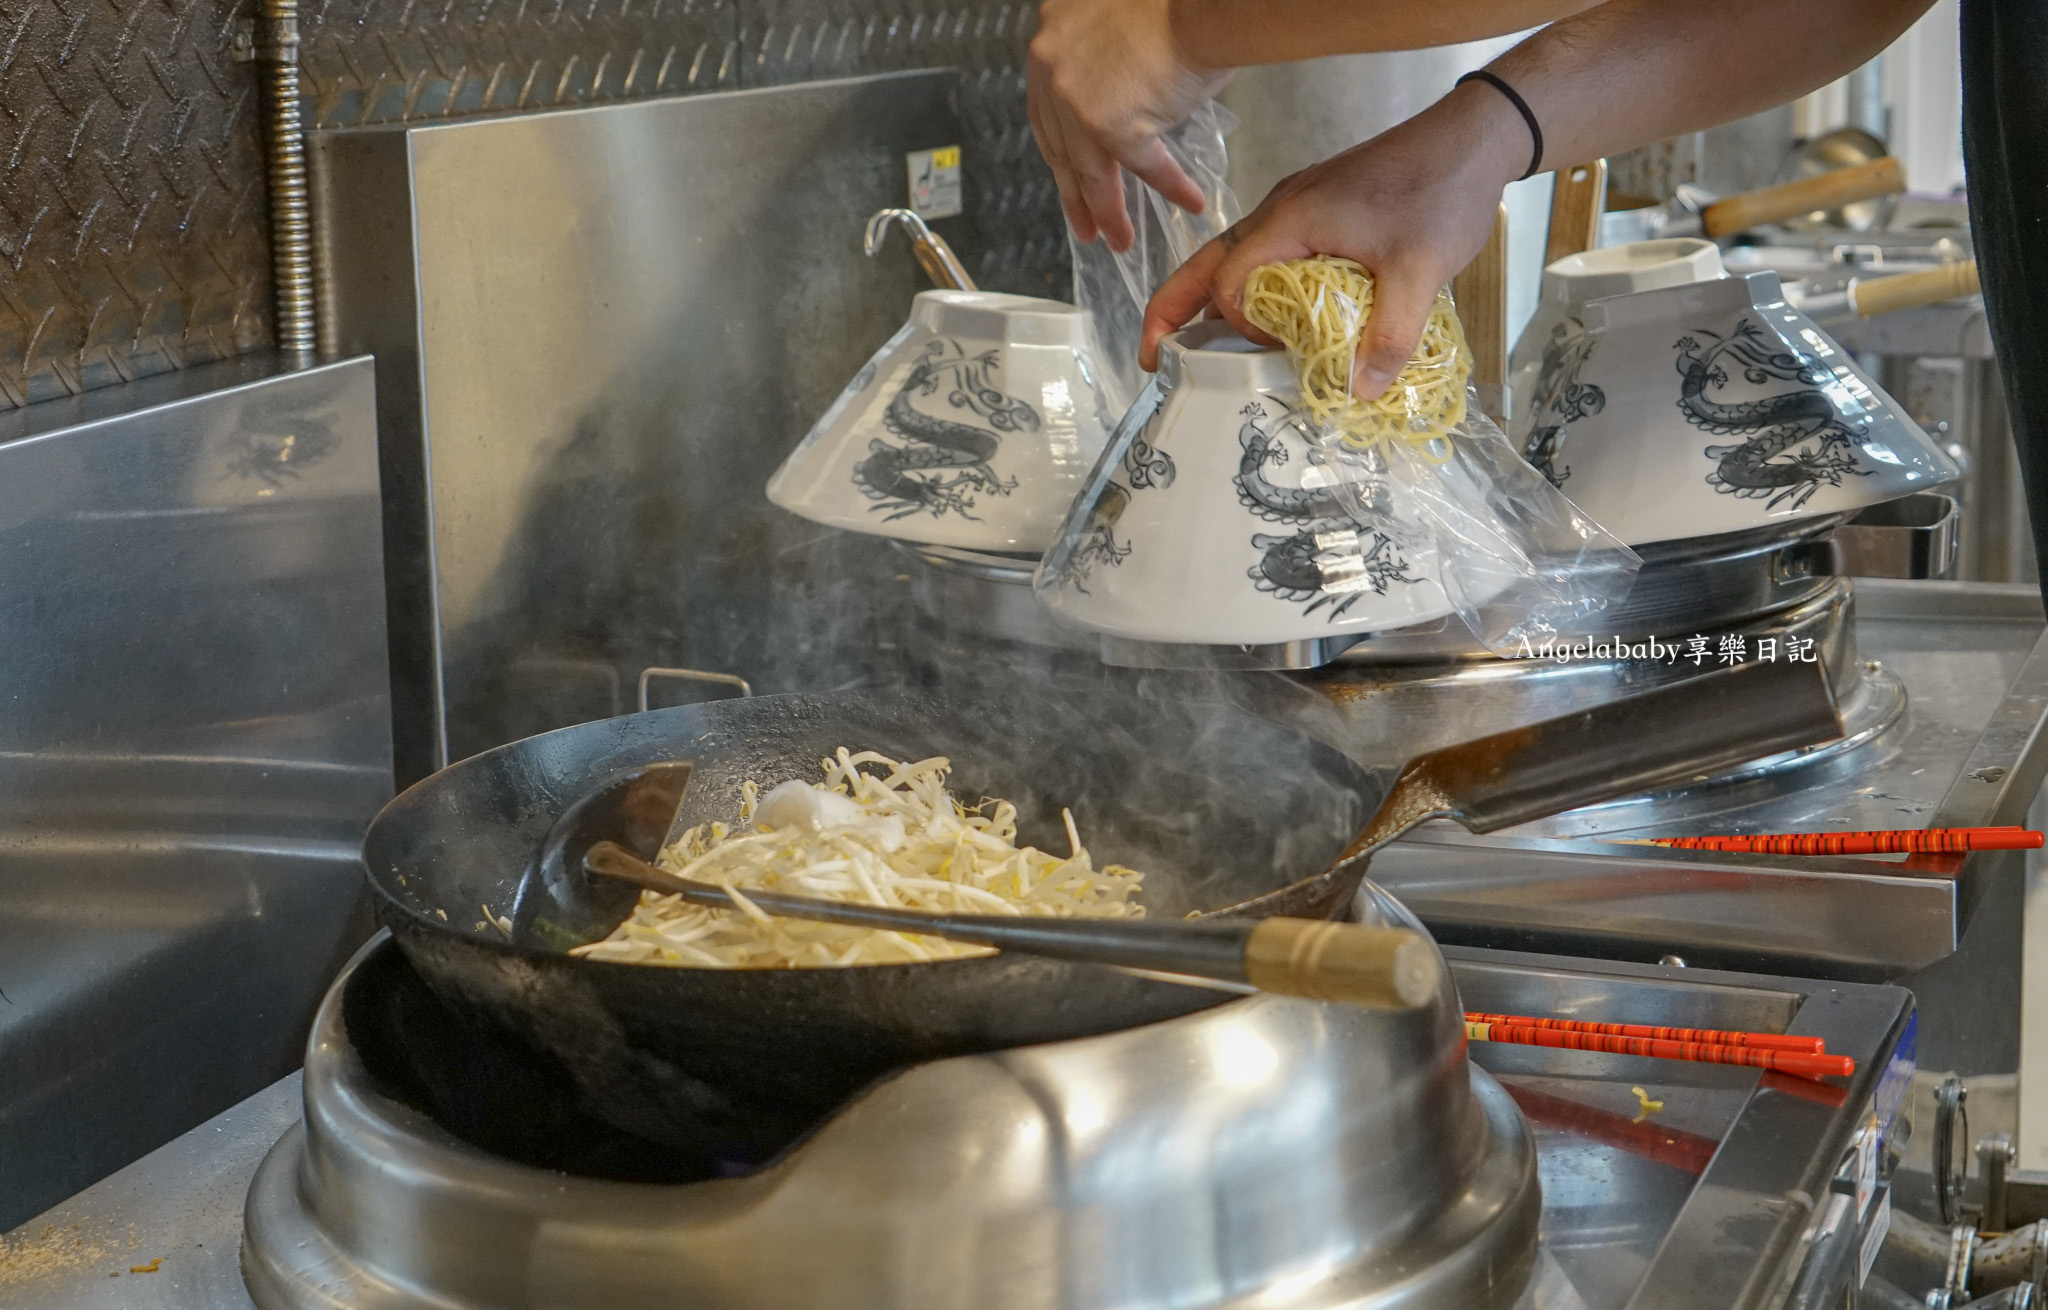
[
  {"x": 1545, "y": 350},
  {"x": 1711, "y": 407},
  {"x": 973, "y": 427},
  {"x": 1205, "y": 523}
]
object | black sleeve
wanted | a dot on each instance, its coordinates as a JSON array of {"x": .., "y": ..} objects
[{"x": 2005, "y": 151}]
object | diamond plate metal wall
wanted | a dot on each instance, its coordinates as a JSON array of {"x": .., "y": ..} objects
[
  {"x": 132, "y": 217},
  {"x": 131, "y": 202},
  {"x": 1010, "y": 193}
]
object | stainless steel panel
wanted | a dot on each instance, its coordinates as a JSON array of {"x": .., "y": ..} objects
[
  {"x": 590, "y": 361},
  {"x": 1970, "y": 752},
  {"x": 192, "y": 656}
]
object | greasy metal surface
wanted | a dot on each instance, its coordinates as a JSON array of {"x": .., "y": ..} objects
[
  {"x": 132, "y": 225},
  {"x": 1221, "y": 1154},
  {"x": 1213, "y": 804},
  {"x": 1969, "y": 752},
  {"x": 1392, "y": 710},
  {"x": 1617, "y": 1200},
  {"x": 191, "y": 628},
  {"x": 579, "y": 416},
  {"x": 165, "y": 1233}
]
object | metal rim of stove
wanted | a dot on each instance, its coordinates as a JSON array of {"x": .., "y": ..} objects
[
  {"x": 308, "y": 1247},
  {"x": 1746, "y": 575}
]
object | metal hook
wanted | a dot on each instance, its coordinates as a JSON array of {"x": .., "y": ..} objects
[{"x": 934, "y": 256}]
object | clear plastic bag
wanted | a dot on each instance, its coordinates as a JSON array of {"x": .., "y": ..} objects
[
  {"x": 1115, "y": 288},
  {"x": 1520, "y": 563}
]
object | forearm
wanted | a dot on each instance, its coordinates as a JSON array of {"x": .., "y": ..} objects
[
  {"x": 1635, "y": 71},
  {"x": 1219, "y": 34}
]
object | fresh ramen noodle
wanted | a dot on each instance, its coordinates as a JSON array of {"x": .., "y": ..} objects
[
  {"x": 892, "y": 837},
  {"x": 1317, "y": 308}
]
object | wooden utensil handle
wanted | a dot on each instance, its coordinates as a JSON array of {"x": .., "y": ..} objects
[
  {"x": 1482, "y": 295},
  {"x": 1878, "y": 177},
  {"x": 1379, "y": 968},
  {"x": 1577, "y": 199},
  {"x": 1885, "y": 295}
]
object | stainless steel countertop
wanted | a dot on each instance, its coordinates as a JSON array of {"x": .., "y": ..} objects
[{"x": 165, "y": 1233}]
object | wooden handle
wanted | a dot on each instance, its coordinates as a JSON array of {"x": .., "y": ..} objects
[
  {"x": 1911, "y": 290},
  {"x": 1380, "y": 968},
  {"x": 1576, "y": 201},
  {"x": 940, "y": 264},
  {"x": 1482, "y": 295},
  {"x": 1843, "y": 186}
]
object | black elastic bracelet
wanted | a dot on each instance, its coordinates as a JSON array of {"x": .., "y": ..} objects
[{"x": 1515, "y": 99}]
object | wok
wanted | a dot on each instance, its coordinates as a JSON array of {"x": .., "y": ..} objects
[
  {"x": 1222, "y": 810},
  {"x": 1215, "y": 805}
]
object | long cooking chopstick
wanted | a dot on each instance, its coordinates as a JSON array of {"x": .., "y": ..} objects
[
  {"x": 1794, "y": 1062},
  {"x": 1702, "y": 1036},
  {"x": 1913, "y": 841}
]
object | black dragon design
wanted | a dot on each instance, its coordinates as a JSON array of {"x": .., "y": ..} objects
[
  {"x": 1336, "y": 552},
  {"x": 1560, "y": 399},
  {"x": 944, "y": 464},
  {"x": 1145, "y": 466},
  {"x": 1793, "y": 442}
]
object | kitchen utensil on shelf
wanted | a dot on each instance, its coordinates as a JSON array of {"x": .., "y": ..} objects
[
  {"x": 933, "y": 254},
  {"x": 1691, "y": 213},
  {"x": 1899, "y": 841},
  {"x": 972, "y": 427},
  {"x": 1578, "y": 196},
  {"x": 1716, "y": 407},
  {"x": 1222, "y": 810},
  {"x": 1845, "y": 147},
  {"x": 1707, "y": 1036},
  {"x": 1380, "y": 968},
  {"x": 1481, "y": 293},
  {"x": 1206, "y": 523},
  {"x": 1554, "y": 342},
  {"x": 1867, "y": 297},
  {"x": 1792, "y": 1062}
]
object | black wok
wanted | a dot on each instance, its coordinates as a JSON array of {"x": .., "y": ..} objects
[{"x": 1215, "y": 805}]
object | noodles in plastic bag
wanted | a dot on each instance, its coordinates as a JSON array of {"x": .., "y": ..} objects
[{"x": 1517, "y": 559}]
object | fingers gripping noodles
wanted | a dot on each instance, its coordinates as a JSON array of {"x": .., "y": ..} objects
[
  {"x": 1317, "y": 308},
  {"x": 893, "y": 837}
]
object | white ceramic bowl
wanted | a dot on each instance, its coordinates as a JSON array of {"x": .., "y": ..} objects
[
  {"x": 1716, "y": 407},
  {"x": 974, "y": 426},
  {"x": 1206, "y": 524},
  {"x": 1556, "y": 333}
]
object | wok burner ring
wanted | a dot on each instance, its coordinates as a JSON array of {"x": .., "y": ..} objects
[{"x": 1294, "y": 1168}]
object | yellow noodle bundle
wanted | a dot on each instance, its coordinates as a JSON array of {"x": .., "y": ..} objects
[{"x": 1317, "y": 308}]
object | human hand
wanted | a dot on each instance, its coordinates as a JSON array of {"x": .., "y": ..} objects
[
  {"x": 1413, "y": 205},
  {"x": 1106, "y": 78}
]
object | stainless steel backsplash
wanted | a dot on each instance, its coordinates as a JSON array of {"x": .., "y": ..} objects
[{"x": 132, "y": 211}]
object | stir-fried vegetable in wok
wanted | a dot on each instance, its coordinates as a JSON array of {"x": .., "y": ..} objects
[{"x": 894, "y": 837}]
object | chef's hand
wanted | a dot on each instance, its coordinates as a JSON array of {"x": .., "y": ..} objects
[
  {"x": 1106, "y": 78},
  {"x": 1413, "y": 205}
]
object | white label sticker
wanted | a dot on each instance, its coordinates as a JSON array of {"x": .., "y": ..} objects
[
  {"x": 1880, "y": 1224},
  {"x": 935, "y": 182},
  {"x": 1867, "y": 1140}
]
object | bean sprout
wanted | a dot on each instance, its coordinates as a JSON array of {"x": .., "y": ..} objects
[{"x": 889, "y": 833}]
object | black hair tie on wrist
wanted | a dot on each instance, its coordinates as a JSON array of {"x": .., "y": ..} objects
[{"x": 1514, "y": 98}]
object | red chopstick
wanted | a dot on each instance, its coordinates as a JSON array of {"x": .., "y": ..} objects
[
  {"x": 1702, "y": 1036},
  {"x": 1794, "y": 1062},
  {"x": 1915, "y": 841}
]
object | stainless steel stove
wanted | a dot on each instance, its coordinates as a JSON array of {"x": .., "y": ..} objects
[{"x": 1663, "y": 1184}]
